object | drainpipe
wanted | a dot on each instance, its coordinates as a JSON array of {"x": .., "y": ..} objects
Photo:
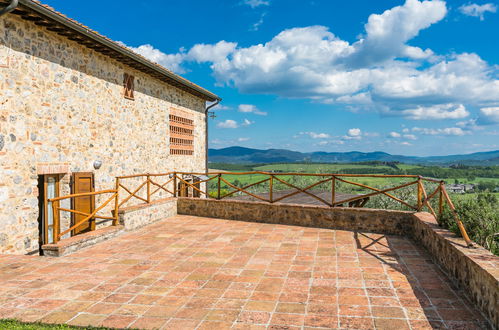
[
  {"x": 217, "y": 101},
  {"x": 13, "y": 4}
]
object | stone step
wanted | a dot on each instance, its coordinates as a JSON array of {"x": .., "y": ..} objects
[{"x": 78, "y": 242}]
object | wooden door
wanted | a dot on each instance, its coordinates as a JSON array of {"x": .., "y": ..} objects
[{"x": 82, "y": 183}]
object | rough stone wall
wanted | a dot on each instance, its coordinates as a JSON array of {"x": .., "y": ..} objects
[
  {"x": 476, "y": 269},
  {"x": 62, "y": 105},
  {"x": 138, "y": 216},
  {"x": 369, "y": 220}
]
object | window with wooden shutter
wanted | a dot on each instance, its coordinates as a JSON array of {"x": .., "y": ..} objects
[
  {"x": 181, "y": 133},
  {"x": 128, "y": 86}
]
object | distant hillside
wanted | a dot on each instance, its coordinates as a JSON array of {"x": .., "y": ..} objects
[{"x": 240, "y": 155}]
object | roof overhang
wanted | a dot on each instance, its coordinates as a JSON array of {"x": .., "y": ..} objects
[{"x": 45, "y": 16}]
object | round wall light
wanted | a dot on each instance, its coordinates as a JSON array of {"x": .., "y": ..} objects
[{"x": 97, "y": 164}]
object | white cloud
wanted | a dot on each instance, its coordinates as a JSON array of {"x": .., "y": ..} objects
[
  {"x": 457, "y": 131},
  {"x": 410, "y": 136},
  {"x": 436, "y": 112},
  {"x": 229, "y": 123},
  {"x": 250, "y": 108},
  {"x": 394, "y": 135},
  {"x": 243, "y": 139},
  {"x": 387, "y": 33},
  {"x": 379, "y": 71},
  {"x": 475, "y": 10},
  {"x": 221, "y": 107},
  {"x": 353, "y": 134},
  {"x": 405, "y": 143},
  {"x": 170, "y": 61},
  {"x": 256, "y": 25},
  {"x": 489, "y": 115},
  {"x": 247, "y": 122},
  {"x": 211, "y": 53},
  {"x": 314, "y": 135},
  {"x": 256, "y": 3}
]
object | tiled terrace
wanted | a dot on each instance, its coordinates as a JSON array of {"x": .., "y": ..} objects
[{"x": 188, "y": 272}]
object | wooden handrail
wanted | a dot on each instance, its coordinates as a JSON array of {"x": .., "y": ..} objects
[
  {"x": 377, "y": 192},
  {"x": 423, "y": 199},
  {"x": 82, "y": 195},
  {"x": 91, "y": 215}
]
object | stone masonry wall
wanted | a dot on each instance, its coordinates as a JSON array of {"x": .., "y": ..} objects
[
  {"x": 370, "y": 220},
  {"x": 61, "y": 108},
  {"x": 138, "y": 216},
  {"x": 474, "y": 269}
]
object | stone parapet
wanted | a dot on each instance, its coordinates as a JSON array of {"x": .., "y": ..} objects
[
  {"x": 370, "y": 220},
  {"x": 476, "y": 270}
]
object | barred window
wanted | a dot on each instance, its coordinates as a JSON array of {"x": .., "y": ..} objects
[{"x": 181, "y": 133}]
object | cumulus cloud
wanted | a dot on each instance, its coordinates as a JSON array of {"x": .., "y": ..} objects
[
  {"x": 256, "y": 3},
  {"x": 170, "y": 61},
  {"x": 229, "y": 123},
  {"x": 380, "y": 71},
  {"x": 394, "y": 135},
  {"x": 489, "y": 116},
  {"x": 436, "y": 112},
  {"x": 475, "y": 10},
  {"x": 250, "y": 108},
  {"x": 211, "y": 53},
  {"x": 243, "y": 139},
  {"x": 353, "y": 134},
  {"x": 457, "y": 131},
  {"x": 314, "y": 135}
]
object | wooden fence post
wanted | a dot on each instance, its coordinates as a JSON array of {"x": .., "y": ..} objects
[
  {"x": 174, "y": 184},
  {"x": 55, "y": 216},
  {"x": 271, "y": 188},
  {"x": 148, "y": 189},
  {"x": 116, "y": 204},
  {"x": 333, "y": 190},
  {"x": 219, "y": 178},
  {"x": 441, "y": 199},
  {"x": 420, "y": 194}
]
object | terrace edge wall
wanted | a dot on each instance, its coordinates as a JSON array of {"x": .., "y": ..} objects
[
  {"x": 371, "y": 220},
  {"x": 474, "y": 269}
]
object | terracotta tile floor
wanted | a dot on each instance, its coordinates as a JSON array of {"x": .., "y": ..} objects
[{"x": 189, "y": 272}]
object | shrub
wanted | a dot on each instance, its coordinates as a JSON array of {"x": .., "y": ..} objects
[{"x": 480, "y": 216}]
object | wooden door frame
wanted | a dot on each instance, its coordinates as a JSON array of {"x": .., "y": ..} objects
[
  {"x": 45, "y": 205},
  {"x": 73, "y": 206}
]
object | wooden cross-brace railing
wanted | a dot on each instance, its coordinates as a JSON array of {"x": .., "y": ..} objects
[{"x": 177, "y": 182}]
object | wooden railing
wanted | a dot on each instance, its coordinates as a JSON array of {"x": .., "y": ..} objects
[
  {"x": 150, "y": 187},
  {"x": 56, "y": 208}
]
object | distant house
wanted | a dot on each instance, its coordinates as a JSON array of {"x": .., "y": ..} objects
[
  {"x": 460, "y": 188},
  {"x": 78, "y": 109}
]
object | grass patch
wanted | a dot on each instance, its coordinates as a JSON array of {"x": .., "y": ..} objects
[{"x": 17, "y": 325}]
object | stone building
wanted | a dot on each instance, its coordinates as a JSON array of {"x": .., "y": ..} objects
[{"x": 77, "y": 110}]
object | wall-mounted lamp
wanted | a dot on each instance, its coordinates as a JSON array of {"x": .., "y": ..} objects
[{"x": 97, "y": 164}]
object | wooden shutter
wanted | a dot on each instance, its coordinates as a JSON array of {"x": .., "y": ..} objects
[
  {"x": 128, "y": 86},
  {"x": 83, "y": 182}
]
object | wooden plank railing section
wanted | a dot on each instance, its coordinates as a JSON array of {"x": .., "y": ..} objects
[{"x": 174, "y": 183}]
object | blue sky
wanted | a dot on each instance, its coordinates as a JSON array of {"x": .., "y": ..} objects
[{"x": 406, "y": 77}]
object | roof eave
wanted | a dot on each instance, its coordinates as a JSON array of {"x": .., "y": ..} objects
[{"x": 40, "y": 9}]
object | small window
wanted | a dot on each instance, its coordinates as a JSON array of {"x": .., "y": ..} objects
[{"x": 128, "y": 84}]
